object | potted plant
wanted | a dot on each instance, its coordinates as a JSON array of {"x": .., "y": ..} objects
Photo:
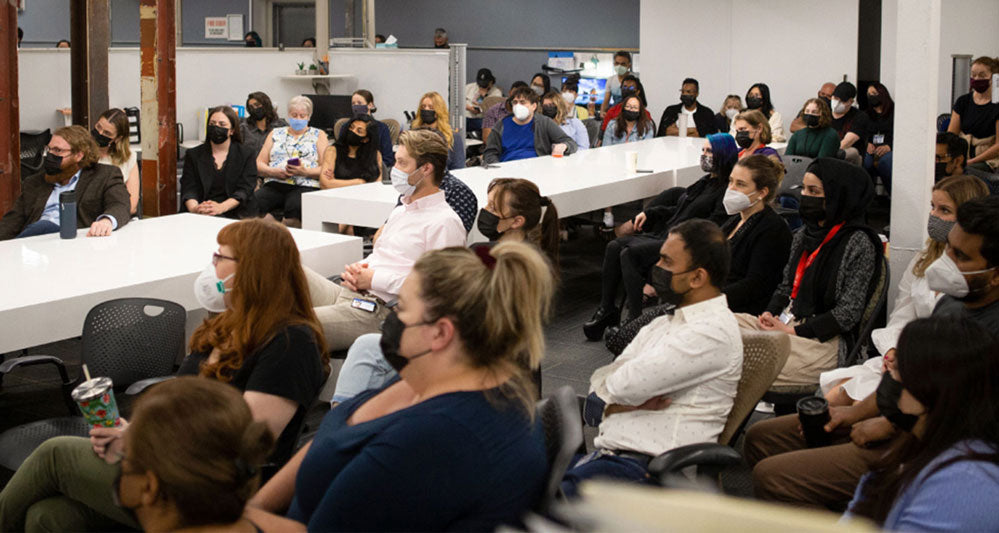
[
  {"x": 301, "y": 69},
  {"x": 313, "y": 69}
]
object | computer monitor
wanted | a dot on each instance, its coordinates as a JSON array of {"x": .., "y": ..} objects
[
  {"x": 327, "y": 109},
  {"x": 590, "y": 88}
]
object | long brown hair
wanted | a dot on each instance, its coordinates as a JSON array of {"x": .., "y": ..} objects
[
  {"x": 118, "y": 150},
  {"x": 231, "y": 116},
  {"x": 825, "y": 115},
  {"x": 269, "y": 293},
  {"x": 642, "y": 125},
  {"x": 523, "y": 198},
  {"x": 199, "y": 439},
  {"x": 960, "y": 189}
]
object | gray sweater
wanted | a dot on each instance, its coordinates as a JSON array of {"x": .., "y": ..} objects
[{"x": 546, "y": 133}]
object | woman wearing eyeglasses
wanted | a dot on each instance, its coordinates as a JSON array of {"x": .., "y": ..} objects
[{"x": 265, "y": 341}]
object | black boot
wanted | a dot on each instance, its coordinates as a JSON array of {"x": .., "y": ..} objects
[{"x": 594, "y": 328}]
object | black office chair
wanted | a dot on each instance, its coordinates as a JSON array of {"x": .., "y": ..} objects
[
  {"x": 127, "y": 340},
  {"x": 559, "y": 416},
  {"x": 33, "y": 143}
]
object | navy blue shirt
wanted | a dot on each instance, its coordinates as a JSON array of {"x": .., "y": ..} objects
[
  {"x": 453, "y": 462},
  {"x": 518, "y": 141}
]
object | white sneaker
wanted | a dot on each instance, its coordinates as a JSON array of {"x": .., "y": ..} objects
[
  {"x": 609, "y": 220},
  {"x": 765, "y": 407}
]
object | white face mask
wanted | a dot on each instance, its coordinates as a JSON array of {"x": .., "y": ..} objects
[
  {"x": 838, "y": 106},
  {"x": 210, "y": 290},
  {"x": 569, "y": 98},
  {"x": 521, "y": 111},
  {"x": 944, "y": 276},
  {"x": 400, "y": 181},
  {"x": 736, "y": 201},
  {"x": 620, "y": 70},
  {"x": 731, "y": 113}
]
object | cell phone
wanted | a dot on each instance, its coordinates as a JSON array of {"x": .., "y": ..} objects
[
  {"x": 364, "y": 305},
  {"x": 294, "y": 162}
]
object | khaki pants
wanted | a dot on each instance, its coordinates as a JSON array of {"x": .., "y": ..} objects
[
  {"x": 342, "y": 323},
  {"x": 785, "y": 470},
  {"x": 62, "y": 486},
  {"x": 808, "y": 357}
]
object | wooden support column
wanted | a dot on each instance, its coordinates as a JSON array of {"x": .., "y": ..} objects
[
  {"x": 90, "y": 35},
  {"x": 158, "y": 117},
  {"x": 10, "y": 138}
]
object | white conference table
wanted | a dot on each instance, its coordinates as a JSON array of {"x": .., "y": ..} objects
[
  {"x": 582, "y": 182},
  {"x": 52, "y": 283}
]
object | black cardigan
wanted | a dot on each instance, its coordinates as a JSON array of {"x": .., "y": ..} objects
[
  {"x": 759, "y": 252},
  {"x": 239, "y": 171},
  {"x": 704, "y": 120}
]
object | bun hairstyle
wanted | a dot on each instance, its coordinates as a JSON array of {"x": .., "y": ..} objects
[
  {"x": 517, "y": 196},
  {"x": 765, "y": 172},
  {"x": 498, "y": 312},
  {"x": 198, "y": 437},
  {"x": 991, "y": 63}
]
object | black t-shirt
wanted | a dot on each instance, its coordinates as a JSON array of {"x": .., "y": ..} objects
[
  {"x": 881, "y": 128},
  {"x": 288, "y": 366},
  {"x": 349, "y": 168},
  {"x": 217, "y": 192},
  {"x": 854, "y": 121},
  {"x": 987, "y": 317},
  {"x": 978, "y": 120}
]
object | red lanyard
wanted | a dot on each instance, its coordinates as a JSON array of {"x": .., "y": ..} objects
[{"x": 807, "y": 260}]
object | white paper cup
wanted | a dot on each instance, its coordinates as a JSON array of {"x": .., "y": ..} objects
[{"x": 631, "y": 161}]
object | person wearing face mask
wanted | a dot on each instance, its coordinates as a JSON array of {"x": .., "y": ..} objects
[
  {"x": 674, "y": 383},
  {"x": 499, "y": 111},
  {"x": 433, "y": 114},
  {"x": 289, "y": 164},
  {"x": 363, "y": 103},
  {"x": 483, "y": 87},
  {"x": 700, "y": 118},
  {"x": 353, "y": 158},
  {"x": 219, "y": 175},
  {"x": 825, "y": 95},
  {"x": 951, "y": 155},
  {"x": 70, "y": 164},
  {"x": 615, "y": 83},
  {"x": 785, "y": 470},
  {"x": 976, "y": 119},
  {"x": 752, "y": 135},
  {"x": 849, "y": 122},
  {"x": 541, "y": 84},
  {"x": 261, "y": 118},
  {"x": 558, "y": 109},
  {"x": 422, "y": 222},
  {"x": 632, "y": 124},
  {"x": 460, "y": 339},
  {"x": 758, "y": 99},
  {"x": 946, "y": 475},
  {"x": 279, "y": 365},
  {"x": 629, "y": 258},
  {"x": 526, "y": 133},
  {"x": 111, "y": 134},
  {"x": 631, "y": 86},
  {"x": 570, "y": 91},
  {"x": 830, "y": 275},
  {"x": 731, "y": 107},
  {"x": 818, "y": 138},
  {"x": 516, "y": 212},
  {"x": 253, "y": 40}
]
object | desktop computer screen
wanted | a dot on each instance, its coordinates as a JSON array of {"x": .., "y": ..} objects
[{"x": 590, "y": 88}]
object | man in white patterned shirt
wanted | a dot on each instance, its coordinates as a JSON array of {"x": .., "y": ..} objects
[{"x": 675, "y": 383}]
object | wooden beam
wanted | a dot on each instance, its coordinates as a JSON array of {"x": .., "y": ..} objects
[
  {"x": 10, "y": 138},
  {"x": 158, "y": 118},
  {"x": 90, "y": 35}
]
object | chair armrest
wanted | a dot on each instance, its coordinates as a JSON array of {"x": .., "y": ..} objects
[
  {"x": 31, "y": 360},
  {"x": 141, "y": 385},
  {"x": 706, "y": 454}
]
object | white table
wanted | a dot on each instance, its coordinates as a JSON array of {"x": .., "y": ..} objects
[{"x": 52, "y": 283}]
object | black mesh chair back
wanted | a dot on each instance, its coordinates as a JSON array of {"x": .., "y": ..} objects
[
  {"x": 130, "y": 339},
  {"x": 559, "y": 416},
  {"x": 133, "y": 124},
  {"x": 32, "y": 146}
]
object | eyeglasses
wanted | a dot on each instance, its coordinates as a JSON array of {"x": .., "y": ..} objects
[
  {"x": 57, "y": 151},
  {"x": 216, "y": 257}
]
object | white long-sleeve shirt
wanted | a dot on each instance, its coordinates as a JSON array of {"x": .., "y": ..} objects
[
  {"x": 695, "y": 358},
  {"x": 412, "y": 229}
]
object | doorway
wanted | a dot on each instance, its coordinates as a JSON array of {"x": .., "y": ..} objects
[{"x": 293, "y": 23}]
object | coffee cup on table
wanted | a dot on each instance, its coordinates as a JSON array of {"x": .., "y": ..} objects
[{"x": 631, "y": 161}]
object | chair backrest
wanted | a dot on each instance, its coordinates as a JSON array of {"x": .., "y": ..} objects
[
  {"x": 490, "y": 101},
  {"x": 943, "y": 121},
  {"x": 875, "y": 303},
  {"x": 592, "y": 130},
  {"x": 394, "y": 128},
  {"x": 763, "y": 356},
  {"x": 32, "y": 146},
  {"x": 559, "y": 416},
  {"x": 338, "y": 125},
  {"x": 794, "y": 174},
  {"x": 133, "y": 124},
  {"x": 131, "y": 339}
]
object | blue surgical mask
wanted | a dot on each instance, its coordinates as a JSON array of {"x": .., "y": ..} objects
[{"x": 298, "y": 124}]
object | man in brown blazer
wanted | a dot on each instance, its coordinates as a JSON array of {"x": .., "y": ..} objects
[{"x": 102, "y": 201}]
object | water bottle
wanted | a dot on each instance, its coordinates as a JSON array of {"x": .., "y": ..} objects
[
  {"x": 67, "y": 214},
  {"x": 681, "y": 123}
]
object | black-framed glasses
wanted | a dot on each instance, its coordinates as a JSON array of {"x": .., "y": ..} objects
[
  {"x": 216, "y": 257},
  {"x": 57, "y": 151}
]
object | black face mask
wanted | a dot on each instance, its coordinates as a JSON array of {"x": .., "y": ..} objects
[
  {"x": 392, "y": 329},
  {"x": 257, "y": 113},
  {"x": 812, "y": 209},
  {"x": 352, "y": 139},
  {"x": 629, "y": 116},
  {"x": 52, "y": 164},
  {"x": 810, "y": 120},
  {"x": 549, "y": 111},
  {"x": 874, "y": 101},
  {"x": 828, "y": 101},
  {"x": 428, "y": 116},
  {"x": 102, "y": 140},
  {"x": 626, "y": 92},
  {"x": 888, "y": 394},
  {"x": 688, "y": 99},
  {"x": 662, "y": 282},
  {"x": 743, "y": 139},
  {"x": 487, "y": 225},
  {"x": 217, "y": 134},
  {"x": 754, "y": 103},
  {"x": 940, "y": 171}
]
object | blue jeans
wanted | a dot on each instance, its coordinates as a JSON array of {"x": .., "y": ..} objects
[
  {"x": 883, "y": 169},
  {"x": 42, "y": 227},
  {"x": 596, "y": 465},
  {"x": 364, "y": 368}
]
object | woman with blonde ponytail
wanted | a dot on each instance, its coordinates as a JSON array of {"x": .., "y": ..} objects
[{"x": 451, "y": 444}]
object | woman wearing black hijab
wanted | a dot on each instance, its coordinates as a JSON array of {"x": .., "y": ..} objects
[{"x": 829, "y": 277}]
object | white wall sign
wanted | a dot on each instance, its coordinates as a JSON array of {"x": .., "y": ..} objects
[
  {"x": 235, "y": 27},
  {"x": 216, "y": 28}
]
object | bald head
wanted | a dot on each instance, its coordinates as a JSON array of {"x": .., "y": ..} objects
[{"x": 827, "y": 89}]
